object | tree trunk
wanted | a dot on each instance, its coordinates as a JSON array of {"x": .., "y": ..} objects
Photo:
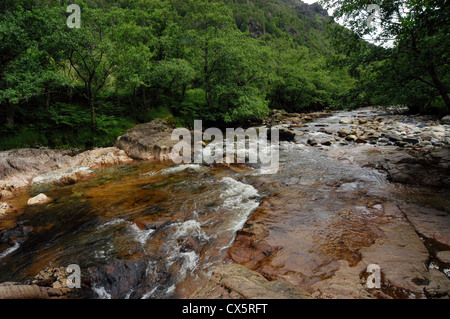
[
  {"x": 207, "y": 77},
  {"x": 135, "y": 99},
  {"x": 93, "y": 124},
  {"x": 144, "y": 97},
  {"x": 47, "y": 100},
  {"x": 70, "y": 94},
  {"x": 10, "y": 113},
  {"x": 440, "y": 86},
  {"x": 92, "y": 107}
]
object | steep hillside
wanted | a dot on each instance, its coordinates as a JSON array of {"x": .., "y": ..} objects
[{"x": 302, "y": 22}]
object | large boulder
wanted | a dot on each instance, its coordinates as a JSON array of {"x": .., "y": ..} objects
[
  {"x": 446, "y": 120},
  {"x": 18, "y": 167},
  {"x": 149, "y": 141}
]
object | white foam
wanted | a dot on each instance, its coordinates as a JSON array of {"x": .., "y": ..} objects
[
  {"x": 141, "y": 235},
  {"x": 115, "y": 221},
  {"x": 170, "y": 290},
  {"x": 237, "y": 192},
  {"x": 9, "y": 250},
  {"x": 241, "y": 198},
  {"x": 101, "y": 292},
  {"x": 180, "y": 168},
  {"x": 190, "y": 262},
  {"x": 189, "y": 228},
  {"x": 150, "y": 293}
]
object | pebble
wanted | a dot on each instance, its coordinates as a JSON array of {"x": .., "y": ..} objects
[
  {"x": 399, "y": 130},
  {"x": 346, "y": 120},
  {"x": 343, "y": 132},
  {"x": 3, "y": 208},
  {"x": 38, "y": 200}
]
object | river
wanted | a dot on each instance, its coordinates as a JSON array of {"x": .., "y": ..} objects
[{"x": 156, "y": 230}]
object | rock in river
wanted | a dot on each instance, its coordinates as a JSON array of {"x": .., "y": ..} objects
[
  {"x": 446, "y": 120},
  {"x": 149, "y": 141},
  {"x": 39, "y": 200}
]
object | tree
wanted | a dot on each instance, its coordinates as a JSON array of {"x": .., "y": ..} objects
[
  {"x": 418, "y": 56},
  {"x": 90, "y": 51},
  {"x": 229, "y": 64},
  {"x": 28, "y": 52}
]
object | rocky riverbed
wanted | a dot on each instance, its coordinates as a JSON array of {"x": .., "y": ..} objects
[
  {"x": 385, "y": 204},
  {"x": 354, "y": 189}
]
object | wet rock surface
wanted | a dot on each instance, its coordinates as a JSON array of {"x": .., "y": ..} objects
[
  {"x": 238, "y": 282},
  {"x": 20, "y": 291},
  {"x": 386, "y": 204},
  {"x": 19, "y": 167},
  {"x": 50, "y": 283}
]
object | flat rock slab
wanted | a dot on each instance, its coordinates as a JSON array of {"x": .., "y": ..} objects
[
  {"x": 234, "y": 281},
  {"x": 19, "y": 167},
  {"x": 430, "y": 223}
]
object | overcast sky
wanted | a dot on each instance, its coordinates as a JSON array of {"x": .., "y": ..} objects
[{"x": 312, "y": 1}]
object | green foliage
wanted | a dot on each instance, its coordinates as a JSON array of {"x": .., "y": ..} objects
[
  {"x": 226, "y": 62},
  {"x": 154, "y": 113},
  {"x": 25, "y": 137},
  {"x": 412, "y": 70}
]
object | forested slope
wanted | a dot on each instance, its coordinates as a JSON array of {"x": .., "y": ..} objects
[{"x": 226, "y": 62}]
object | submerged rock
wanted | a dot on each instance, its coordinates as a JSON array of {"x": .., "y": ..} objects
[
  {"x": 4, "y": 207},
  {"x": 64, "y": 176}
]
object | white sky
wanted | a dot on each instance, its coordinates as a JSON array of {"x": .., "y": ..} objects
[
  {"x": 313, "y": 1},
  {"x": 330, "y": 12}
]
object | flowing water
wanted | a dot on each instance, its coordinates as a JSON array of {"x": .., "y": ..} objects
[
  {"x": 152, "y": 230},
  {"x": 155, "y": 229}
]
